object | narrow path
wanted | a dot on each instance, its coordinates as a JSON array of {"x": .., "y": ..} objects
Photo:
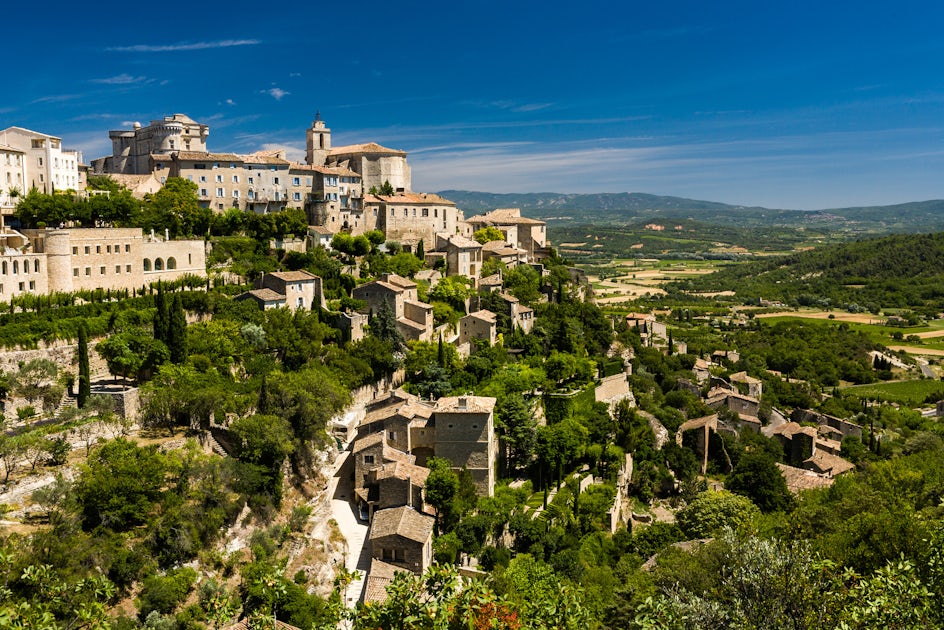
[{"x": 340, "y": 489}]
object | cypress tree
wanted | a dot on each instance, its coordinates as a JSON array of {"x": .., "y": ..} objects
[
  {"x": 421, "y": 250},
  {"x": 177, "y": 332},
  {"x": 262, "y": 405},
  {"x": 85, "y": 386},
  {"x": 161, "y": 319},
  {"x": 440, "y": 353}
]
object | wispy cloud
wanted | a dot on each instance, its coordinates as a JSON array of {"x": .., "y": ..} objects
[
  {"x": 276, "y": 93},
  {"x": 57, "y": 98},
  {"x": 185, "y": 46},
  {"x": 122, "y": 79},
  {"x": 511, "y": 105}
]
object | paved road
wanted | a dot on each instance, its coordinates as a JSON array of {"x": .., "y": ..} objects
[
  {"x": 925, "y": 368},
  {"x": 343, "y": 511}
]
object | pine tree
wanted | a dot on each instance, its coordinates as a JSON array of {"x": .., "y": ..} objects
[
  {"x": 177, "y": 332},
  {"x": 85, "y": 386}
]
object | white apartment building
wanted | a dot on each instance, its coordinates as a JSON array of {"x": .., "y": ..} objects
[
  {"x": 47, "y": 166},
  {"x": 12, "y": 179}
]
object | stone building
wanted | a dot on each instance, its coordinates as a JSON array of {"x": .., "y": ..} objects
[
  {"x": 465, "y": 435},
  {"x": 403, "y": 537},
  {"x": 375, "y": 164},
  {"x": 132, "y": 149},
  {"x": 481, "y": 325},
  {"x": 302, "y": 289},
  {"x": 413, "y": 217},
  {"x": 463, "y": 255},
  {"x": 46, "y": 165},
  {"x": 12, "y": 179},
  {"x": 73, "y": 259},
  {"x": 520, "y": 232},
  {"x": 414, "y": 318}
]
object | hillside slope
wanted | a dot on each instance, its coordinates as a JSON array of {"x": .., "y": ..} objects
[{"x": 896, "y": 271}]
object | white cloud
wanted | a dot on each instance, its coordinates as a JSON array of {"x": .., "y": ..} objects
[
  {"x": 276, "y": 93},
  {"x": 230, "y": 101},
  {"x": 185, "y": 46},
  {"x": 121, "y": 79}
]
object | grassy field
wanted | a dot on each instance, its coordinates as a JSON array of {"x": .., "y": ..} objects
[
  {"x": 618, "y": 279},
  {"x": 877, "y": 332},
  {"x": 911, "y": 393}
]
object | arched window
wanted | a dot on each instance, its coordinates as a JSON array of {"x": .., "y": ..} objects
[
  {"x": 158, "y": 264},
  {"x": 4, "y": 267},
  {"x": 16, "y": 266},
  {"x": 171, "y": 263},
  {"x": 147, "y": 264},
  {"x": 36, "y": 265}
]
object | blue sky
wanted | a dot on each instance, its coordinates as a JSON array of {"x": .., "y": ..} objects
[{"x": 782, "y": 104}]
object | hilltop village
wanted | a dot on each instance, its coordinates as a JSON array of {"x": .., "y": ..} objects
[{"x": 245, "y": 392}]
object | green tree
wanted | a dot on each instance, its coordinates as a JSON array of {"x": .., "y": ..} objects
[
  {"x": 120, "y": 485},
  {"x": 177, "y": 331},
  {"x": 488, "y": 233},
  {"x": 383, "y": 326},
  {"x": 757, "y": 477},
  {"x": 711, "y": 511},
  {"x": 133, "y": 354},
  {"x": 37, "y": 379},
  {"x": 175, "y": 207},
  {"x": 442, "y": 486},
  {"x": 85, "y": 386}
]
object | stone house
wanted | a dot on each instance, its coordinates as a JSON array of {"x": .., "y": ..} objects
[
  {"x": 302, "y": 289},
  {"x": 265, "y": 298},
  {"x": 529, "y": 235},
  {"x": 463, "y": 255},
  {"x": 465, "y": 435},
  {"x": 482, "y": 325},
  {"x": 753, "y": 387},
  {"x": 403, "y": 537},
  {"x": 414, "y": 318}
]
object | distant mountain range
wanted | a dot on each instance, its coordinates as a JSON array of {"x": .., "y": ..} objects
[{"x": 626, "y": 208}]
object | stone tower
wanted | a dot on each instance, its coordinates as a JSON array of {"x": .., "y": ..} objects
[{"x": 319, "y": 142}]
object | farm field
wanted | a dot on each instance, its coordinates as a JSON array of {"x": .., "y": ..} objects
[
  {"x": 911, "y": 393},
  {"x": 930, "y": 336},
  {"x": 626, "y": 279}
]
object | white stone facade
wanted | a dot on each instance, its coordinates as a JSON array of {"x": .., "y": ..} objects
[
  {"x": 47, "y": 166},
  {"x": 74, "y": 259}
]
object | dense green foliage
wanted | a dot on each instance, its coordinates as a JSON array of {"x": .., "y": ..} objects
[{"x": 870, "y": 275}]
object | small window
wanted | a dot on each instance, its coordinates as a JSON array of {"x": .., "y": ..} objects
[
  {"x": 108, "y": 249},
  {"x": 296, "y": 181},
  {"x": 127, "y": 268},
  {"x": 101, "y": 270},
  {"x": 117, "y": 268},
  {"x": 75, "y": 272},
  {"x": 98, "y": 249},
  {"x": 88, "y": 271},
  {"x": 368, "y": 459},
  {"x": 32, "y": 285},
  {"x": 75, "y": 251},
  {"x": 88, "y": 250}
]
